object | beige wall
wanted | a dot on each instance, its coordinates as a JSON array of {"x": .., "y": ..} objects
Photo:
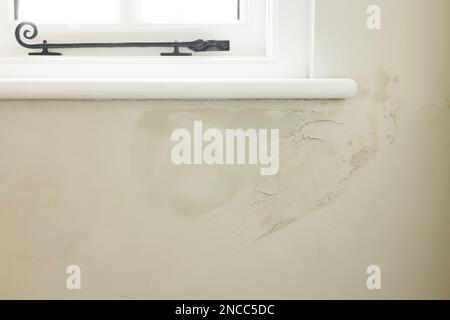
[{"x": 363, "y": 181}]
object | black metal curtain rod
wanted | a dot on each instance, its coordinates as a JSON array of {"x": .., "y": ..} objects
[{"x": 29, "y": 31}]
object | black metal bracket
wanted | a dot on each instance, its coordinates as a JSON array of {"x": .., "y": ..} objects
[{"x": 29, "y": 31}]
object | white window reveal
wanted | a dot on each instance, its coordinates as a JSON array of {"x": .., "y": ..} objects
[{"x": 270, "y": 55}]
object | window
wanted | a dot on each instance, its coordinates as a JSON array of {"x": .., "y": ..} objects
[
  {"x": 271, "y": 55},
  {"x": 68, "y": 11},
  {"x": 149, "y": 20},
  {"x": 189, "y": 11},
  {"x": 127, "y": 11}
]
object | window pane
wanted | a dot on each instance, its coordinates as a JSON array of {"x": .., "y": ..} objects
[
  {"x": 189, "y": 10},
  {"x": 70, "y": 11}
]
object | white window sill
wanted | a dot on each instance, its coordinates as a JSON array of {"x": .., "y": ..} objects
[{"x": 177, "y": 88}]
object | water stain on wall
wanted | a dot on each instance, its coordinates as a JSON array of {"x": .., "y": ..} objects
[{"x": 322, "y": 145}]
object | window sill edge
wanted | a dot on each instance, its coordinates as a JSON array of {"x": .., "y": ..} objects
[{"x": 62, "y": 89}]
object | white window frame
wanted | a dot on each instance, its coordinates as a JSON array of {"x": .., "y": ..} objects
[
  {"x": 285, "y": 69},
  {"x": 246, "y": 34}
]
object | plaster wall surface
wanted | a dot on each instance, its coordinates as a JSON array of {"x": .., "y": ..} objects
[{"x": 362, "y": 181}]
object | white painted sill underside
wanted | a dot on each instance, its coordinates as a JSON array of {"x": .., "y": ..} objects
[{"x": 177, "y": 88}]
